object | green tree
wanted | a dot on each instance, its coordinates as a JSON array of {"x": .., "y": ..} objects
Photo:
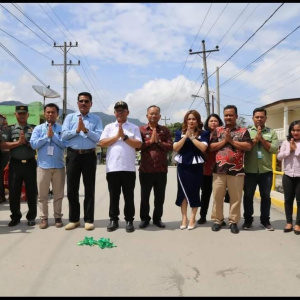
[{"x": 173, "y": 127}]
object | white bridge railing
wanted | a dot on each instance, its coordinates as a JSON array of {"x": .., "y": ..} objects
[{"x": 280, "y": 134}]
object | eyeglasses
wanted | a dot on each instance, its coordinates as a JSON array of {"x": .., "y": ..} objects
[{"x": 84, "y": 101}]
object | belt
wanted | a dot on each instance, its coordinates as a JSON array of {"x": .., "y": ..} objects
[
  {"x": 23, "y": 161},
  {"x": 82, "y": 151}
]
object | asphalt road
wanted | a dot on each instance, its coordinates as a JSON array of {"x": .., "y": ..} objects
[{"x": 150, "y": 262}]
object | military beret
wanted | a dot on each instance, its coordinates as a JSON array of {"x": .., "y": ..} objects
[{"x": 21, "y": 108}]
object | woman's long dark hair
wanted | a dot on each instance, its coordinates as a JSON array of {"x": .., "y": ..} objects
[
  {"x": 289, "y": 136},
  {"x": 209, "y": 117},
  {"x": 198, "y": 119}
]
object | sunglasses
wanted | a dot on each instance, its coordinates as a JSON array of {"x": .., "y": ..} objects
[{"x": 84, "y": 101}]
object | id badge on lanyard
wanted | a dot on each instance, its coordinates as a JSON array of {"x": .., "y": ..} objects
[
  {"x": 50, "y": 150},
  {"x": 259, "y": 154}
]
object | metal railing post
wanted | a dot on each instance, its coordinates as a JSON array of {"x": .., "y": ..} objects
[{"x": 275, "y": 172}]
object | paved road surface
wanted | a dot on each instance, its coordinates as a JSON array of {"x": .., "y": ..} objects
[{"x": 151, "y": 262}]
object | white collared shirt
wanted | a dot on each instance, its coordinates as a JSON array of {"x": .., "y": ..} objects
[{"x": 120, "y": 156}]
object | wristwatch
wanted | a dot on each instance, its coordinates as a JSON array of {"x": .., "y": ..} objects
[
  {"x": 125, "y": 137},
  {"x": 86, "y": 130}
]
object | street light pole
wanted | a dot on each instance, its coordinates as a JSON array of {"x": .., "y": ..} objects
[{"x": 197, "y": 96}]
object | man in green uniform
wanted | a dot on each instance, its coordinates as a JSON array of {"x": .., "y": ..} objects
[
  {"x": 22, "y": 166},
  {"x": 3, "y": 161},
  {"x": 258, "y": 169}
]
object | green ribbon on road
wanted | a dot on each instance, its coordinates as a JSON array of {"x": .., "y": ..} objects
[{"x": 102, "y": 242}]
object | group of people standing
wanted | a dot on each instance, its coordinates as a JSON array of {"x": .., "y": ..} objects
[
  {"x": 237, "y": 161},
  {"x": 219, "y": 159},
  {"x": 80, "y": 133}
]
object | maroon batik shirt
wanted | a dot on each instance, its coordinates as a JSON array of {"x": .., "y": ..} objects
[
  {"x": 154, "y": 156},
  {"x": 230, "y": 160}
]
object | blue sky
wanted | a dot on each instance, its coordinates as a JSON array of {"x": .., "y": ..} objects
[{"x": 139, "y": 53}]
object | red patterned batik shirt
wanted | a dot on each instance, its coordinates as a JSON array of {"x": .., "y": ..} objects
[
  {"x": 230, "y": 160},
  {"x": 154, "y": 156}
]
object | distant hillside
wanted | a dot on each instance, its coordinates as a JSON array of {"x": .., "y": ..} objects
[
  {"x": 106, "y": 119},
  {"x": 11, "y": 102}
]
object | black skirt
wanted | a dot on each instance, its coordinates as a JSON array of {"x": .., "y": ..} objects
[{"x": 189, "y": 180}]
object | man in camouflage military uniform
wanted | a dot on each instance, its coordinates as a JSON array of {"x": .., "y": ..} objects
[
  {"x": 22, "y": 166},
  {"x": 3, "y": 123}
]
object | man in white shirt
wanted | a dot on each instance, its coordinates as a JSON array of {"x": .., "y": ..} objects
[{"x": 121, "y": 139}]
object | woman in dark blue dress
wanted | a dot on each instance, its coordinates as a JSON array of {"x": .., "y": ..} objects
[{"x": 190, "y": 143}]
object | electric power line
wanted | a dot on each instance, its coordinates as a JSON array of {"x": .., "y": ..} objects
[
  {"x": 25, "y": 25},
  {"x": 53, "y": 21},
  {"x": 251, "y": 36},
  {"x": 19, "y": 9},
  {"x": 260, "y": 57},
  {"x": 25, "y": 44},
  {"x": 26, "y": 68},
  {"x": 215, "y": 21}
]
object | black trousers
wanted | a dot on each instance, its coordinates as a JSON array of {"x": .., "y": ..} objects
[
  {"x": 291, "y": 189},
  {"x": 116, "y": 181},
  {"x": 86, "y": 165},
  {"x": 206, "y": 190},
  {"x": 18, "y": 172},
  {"x": 264, "y": 182},
  {"x": 158, "y": 182}
]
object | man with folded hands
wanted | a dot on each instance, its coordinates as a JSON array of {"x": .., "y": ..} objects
[
  {"x": 121, "y": 139},
  {"x": 82, "y": 132},
  {"x": 22, "y": 166},
  {"x": 46, "y": 139}
]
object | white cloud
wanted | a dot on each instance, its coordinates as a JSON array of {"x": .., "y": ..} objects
[
  {"x": 157, "y": 92},
  {"x": 6, "y": 90},
  {"x": 138, "y": 52}
]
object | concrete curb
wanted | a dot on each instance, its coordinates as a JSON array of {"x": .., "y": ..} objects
[{"x": 277, "y": 200}]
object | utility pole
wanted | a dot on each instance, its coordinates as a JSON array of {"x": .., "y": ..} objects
[
  {"x": 205, "y": 78},
  {"x": 205, "y": 73},
  {"x": 218, "y": 93},
  {"x": 165, "y": 119},
  {"x": 65, "y": 64}
]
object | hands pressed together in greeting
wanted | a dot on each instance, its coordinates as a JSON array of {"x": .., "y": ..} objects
[
  {"x": 50, "y": 132},
  {"x": 154, "y": 137},
  {"x": 81, "y": 126}
]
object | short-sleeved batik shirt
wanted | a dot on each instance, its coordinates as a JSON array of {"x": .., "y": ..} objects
[{"x": 230, "y": 160}]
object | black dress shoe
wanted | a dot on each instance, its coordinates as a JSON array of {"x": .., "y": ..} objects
[
  {"x": 288, "y": 229},
  {"x": 144, "y": 224},
  {"x": 234, "y": 228},
  {"x": 129, "y": 226},
  {"x": 216, "y": 227},
  {"x": 297, "y": 232},
  {"x": 159, "y": 224},
  {"x": 31, "y": 222},
  {"x": 223, "y": 223},
  {"x": 112, "y": 226},
  {"x": 13, "y": 223},
  {"x": 202, "y": 220}
]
